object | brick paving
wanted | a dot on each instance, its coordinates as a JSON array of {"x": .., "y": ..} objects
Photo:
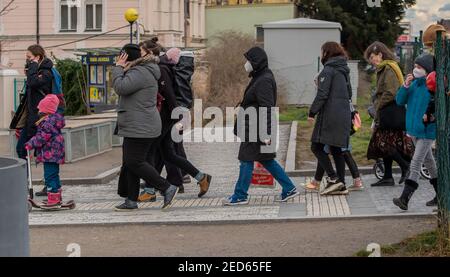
[{"x": 95, "y": 203}]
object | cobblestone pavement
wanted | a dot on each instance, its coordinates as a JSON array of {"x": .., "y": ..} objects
[{"x": 95, "y": 203}]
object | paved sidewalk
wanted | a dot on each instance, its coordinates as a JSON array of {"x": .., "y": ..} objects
[
  {"x": 4, "y": 144},
  {"x": 95, "y": 203}
]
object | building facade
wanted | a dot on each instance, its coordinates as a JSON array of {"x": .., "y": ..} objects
[
  {"x": 245, "y": 15},
  {"x": 65, "y": 26}
]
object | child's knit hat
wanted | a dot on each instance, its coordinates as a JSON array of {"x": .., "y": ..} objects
[{"x": 49, "y": 104}]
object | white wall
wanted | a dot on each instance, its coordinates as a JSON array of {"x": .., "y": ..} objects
[
  {"x": 6, "y": 96},
  {"x": 293, "y": 56}
]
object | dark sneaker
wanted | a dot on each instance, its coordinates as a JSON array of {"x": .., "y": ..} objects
[
  {"x": 384, "y": 183},
  {"x": 127, "y": 206},
  {"x": 231, "y": 201},
  {"x": 400, "y": 203},
  {"x": 204, "y": 185},
  {"x": 432, "y": 203},
  {"x": 181, "y": 189},
  {"x": 332, "y": 185},
  {"x": 284, "y": 198},
  {"x": 186, "y": 179},
  {"x": 169, "y": 196},
  {"x": 342, "y": 191},
  {"x": 43, "y": 192}
]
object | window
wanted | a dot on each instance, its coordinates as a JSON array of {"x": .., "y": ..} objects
[
  {"x": 94, "y": 15},
  {"x": 68, "y": 16},
  {"x": 259, "y": 34},
  {"x": 187, "y": 9}
]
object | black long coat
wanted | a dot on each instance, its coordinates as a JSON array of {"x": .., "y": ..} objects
[
  {"x": 38, "y": 84},
  {"x": 260, "y": 93},
  {"x": 332, "y": 104}
]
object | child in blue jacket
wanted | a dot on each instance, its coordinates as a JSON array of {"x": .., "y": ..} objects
[{"x": 415, "y": 96}]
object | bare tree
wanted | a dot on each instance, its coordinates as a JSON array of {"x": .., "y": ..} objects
[{"x": 3, "y": 11}]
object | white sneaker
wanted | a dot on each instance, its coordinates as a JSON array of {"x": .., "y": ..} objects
[{"x": 332, "y": 185}]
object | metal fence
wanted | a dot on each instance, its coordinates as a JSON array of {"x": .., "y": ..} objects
[
  {"x": 442, "y": 54},
  {"x": 19, "y": 91}
]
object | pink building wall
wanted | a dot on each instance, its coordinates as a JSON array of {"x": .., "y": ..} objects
[{"x": 164, "y": 18}]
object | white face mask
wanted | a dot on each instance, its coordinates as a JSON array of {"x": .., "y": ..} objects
[
  {"x": 248, "y": 67},
  {"x": 419, "y": 73}
]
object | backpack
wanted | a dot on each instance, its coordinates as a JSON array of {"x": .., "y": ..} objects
[
  {"x": 57, "y": 90},
  {"x": 183, "y": 73}
]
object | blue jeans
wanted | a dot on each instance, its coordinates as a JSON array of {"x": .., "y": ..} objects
[
  {"x": 245, "y": 177},
  {"x": 51, "y": 175}
]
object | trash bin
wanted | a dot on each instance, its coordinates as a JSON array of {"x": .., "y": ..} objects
[{"x": 14, "y": 232}]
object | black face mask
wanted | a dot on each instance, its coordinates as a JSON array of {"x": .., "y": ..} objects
[{"x": 27, "y": 63}]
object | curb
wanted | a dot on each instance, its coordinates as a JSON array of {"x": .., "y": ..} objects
[
  {"x": 102, "y": 178},
  {"x": 292, "y": 147},
  {"x": 243, "y": 221},
  {"x": 292, "y": 152}
]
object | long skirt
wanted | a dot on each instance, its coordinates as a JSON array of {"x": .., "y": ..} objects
[{"x": 385, "y": 143}]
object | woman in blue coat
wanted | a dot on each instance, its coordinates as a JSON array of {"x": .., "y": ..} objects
[{"x": 415, "y": 95}]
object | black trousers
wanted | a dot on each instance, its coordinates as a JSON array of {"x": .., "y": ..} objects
[
  {"x": 135, "y": 167},
  {"x": 169, "y": 154},
  {"x": 165, "y": 152},
  {"x": 174, "y": 175},
  {"x": 324, "y": 162},
  {"x": 351, "y": 164},
  {"x": 179, "y": 148},
  {"x": 402, "y": 161}
]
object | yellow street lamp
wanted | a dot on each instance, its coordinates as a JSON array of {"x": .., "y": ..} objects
[{"x": 131, "y": 15}]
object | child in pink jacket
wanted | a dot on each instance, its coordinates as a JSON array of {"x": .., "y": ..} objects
[{"x": 49, "y": 145}]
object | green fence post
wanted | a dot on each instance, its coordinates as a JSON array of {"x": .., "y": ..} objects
[
  {"x": 442, "y": 113},
  {"x": 447, "y": 82},
  {"x": 421, "y": 42},
  {"x": 15, "y": 93}
]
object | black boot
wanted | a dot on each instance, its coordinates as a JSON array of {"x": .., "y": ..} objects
[
  {"x": 43, "y": 192},
  {"x": 433, "y": 202},
  {"x": 408, "y": 191}
]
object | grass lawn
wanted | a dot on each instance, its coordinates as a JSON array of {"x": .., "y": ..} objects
[
  {"x": 360, "y": 141},
  {"x": 423, "y": 245}
]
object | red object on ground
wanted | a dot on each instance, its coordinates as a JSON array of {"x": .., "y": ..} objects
[{"x": 261, "y": 177}]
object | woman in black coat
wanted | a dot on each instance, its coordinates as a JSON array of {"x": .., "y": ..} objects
[
  {"x": 331, "y": 108},
  {"x": 38, "y": 69},
  {"x": 257, "y": 144}
]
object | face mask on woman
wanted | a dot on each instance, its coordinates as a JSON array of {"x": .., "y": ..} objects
[
  {"x": 248, "y": 67},
  {"x": 419, "y": 73}
]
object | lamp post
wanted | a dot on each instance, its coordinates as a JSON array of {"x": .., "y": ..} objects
[{"x": 131, "y": 15}]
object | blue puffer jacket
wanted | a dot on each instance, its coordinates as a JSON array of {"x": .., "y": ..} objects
[{"x": 416, "y": 98}]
